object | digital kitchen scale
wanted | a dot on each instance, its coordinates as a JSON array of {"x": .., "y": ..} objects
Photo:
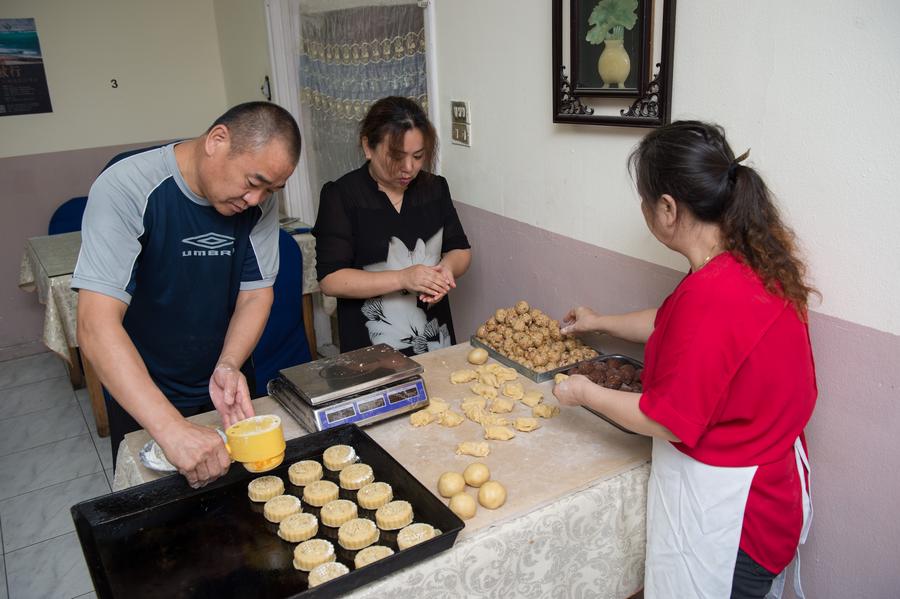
[{"x": 361, "y": 386}]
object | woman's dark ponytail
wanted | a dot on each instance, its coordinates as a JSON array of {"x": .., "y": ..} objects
[{"x": 692, "y": 162}]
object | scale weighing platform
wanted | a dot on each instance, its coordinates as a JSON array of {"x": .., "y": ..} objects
[{"x": 361, "y": 386}]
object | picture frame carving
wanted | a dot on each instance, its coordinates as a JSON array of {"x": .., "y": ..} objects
[{"x": 633, "y": 98}]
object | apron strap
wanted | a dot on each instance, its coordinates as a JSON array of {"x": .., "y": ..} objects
[{"x": 803, "y": 470}]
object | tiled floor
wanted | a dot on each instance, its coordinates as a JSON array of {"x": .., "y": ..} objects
[{"x": 50, "y": 459}]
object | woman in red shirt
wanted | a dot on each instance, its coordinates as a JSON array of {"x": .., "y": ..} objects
[{"x": 729, "y": 381}]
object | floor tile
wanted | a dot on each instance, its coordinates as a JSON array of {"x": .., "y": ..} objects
[
  {"x": 110, "y": 476},
  {"x": 43, "y": 514},
  {"x": 47, "y": 465},
  {"x": 31, "y": 369},
  {"x": 39, "y": 428},
  {"x": 36, "y": 396},
  {"x": 52, "y": 568}
]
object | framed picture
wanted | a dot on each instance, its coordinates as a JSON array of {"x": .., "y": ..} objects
[
  {"x": 610, "y": 46},
  {"x": 635, "y": 88}
]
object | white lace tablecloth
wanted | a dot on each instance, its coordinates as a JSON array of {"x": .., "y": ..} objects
[
  {"x": 587, "y": 544},
  {"x": 53, "y": 253},
  {"x": 42, "y": 259},
  {"x": 574, "y": 521}
]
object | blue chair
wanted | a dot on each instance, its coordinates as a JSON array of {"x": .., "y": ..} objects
[
  {"x": 67, "y": 218},
  {"x": 283, "y": 342}
]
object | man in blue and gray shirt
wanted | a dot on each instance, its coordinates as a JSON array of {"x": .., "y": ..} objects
[{"x": 179, "y": 253}]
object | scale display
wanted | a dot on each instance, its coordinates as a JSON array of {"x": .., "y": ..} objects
[{"x": 369, "y": 407}]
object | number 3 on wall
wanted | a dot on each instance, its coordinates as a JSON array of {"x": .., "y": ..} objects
[{"x": 113, "y": 83}]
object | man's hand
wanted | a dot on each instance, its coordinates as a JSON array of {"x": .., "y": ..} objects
[
  {"x": 570, "y": 391},
  {"x": 230, "y": 394},
  {"x": 197, "y": 451}
]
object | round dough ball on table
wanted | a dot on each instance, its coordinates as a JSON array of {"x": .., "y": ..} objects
[
  {"x": 477, "y": 356},
  {"x": 463, "y": 505},
  {"x": 492, "y": 495},
  {"x": 451, "y": 483},
  {"x": 476, "y": 474}
]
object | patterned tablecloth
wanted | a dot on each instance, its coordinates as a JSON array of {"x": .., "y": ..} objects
[
  {"x": 574, "y": 521},
  {"x": 45, "y": 260},
  {"x": 44, "y": 264}
]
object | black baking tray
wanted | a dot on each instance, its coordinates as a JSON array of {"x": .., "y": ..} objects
[
  {"x": 604, "y": 358},
  {"x": 164, "y": 539}
]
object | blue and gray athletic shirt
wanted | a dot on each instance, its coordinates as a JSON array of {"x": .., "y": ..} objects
[{"x": 150, "y": 242}]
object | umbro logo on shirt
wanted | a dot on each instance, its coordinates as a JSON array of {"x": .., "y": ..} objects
[{"x": 212, "y": 244}]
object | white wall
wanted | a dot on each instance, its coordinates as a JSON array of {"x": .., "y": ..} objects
[
  {"x": 806, "y": 84},
  {"x": 244, "y": 46},
  {"x": 164, "y": 55}
]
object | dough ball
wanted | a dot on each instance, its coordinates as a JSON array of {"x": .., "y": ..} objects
[
  {"x": 492, "y": 495},
  {"x": 478, "y": 356},
  {"x": 451, "y": 483},
  {"x": 476, "y": 474},
  {"x": 463, "y": 505}
]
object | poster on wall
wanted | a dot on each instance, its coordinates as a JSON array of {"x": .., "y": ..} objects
[{"x": 23, "y": 83}]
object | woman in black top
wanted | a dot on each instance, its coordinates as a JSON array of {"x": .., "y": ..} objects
[{"x": 389, "y": 244}]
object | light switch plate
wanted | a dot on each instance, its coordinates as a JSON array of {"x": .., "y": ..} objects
[{"x": 459, "y": 111}]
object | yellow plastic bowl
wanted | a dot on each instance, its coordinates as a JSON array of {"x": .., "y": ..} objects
[{"x": 257, "y": 442}]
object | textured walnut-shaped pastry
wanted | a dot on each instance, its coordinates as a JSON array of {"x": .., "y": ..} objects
[
  {"x": 495, "y": 337},
  {"x": 500, "y": 315},
  {"x": 627, "y": 372},
  {"x": 519, "y": 326},
  {"x": 570, "y": 344},
  {"x": 491, "y": 324},
  {"x": 541, "y": 320},
  {"x": 522, "y": 307},
  {"x": 523, "y": 340},
  {"x": 540, "y": 358},
  {"x": 535, "y": 312},
  {"x": 526, "y": 318},
  {"x": 528, "y": 364},
  {"x": 508, "y": 333},
  {"x": 613, "y": 380},
  {"x": 482, "y": 332},
  {"x": 537, "y": 338}
]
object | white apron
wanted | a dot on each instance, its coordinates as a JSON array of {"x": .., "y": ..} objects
[{"x": 695, "y": 514}]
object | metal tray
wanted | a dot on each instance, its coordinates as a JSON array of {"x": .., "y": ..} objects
[
  {"x": 163, "y": 538},
  {"x": 604, "y": 358},
  {"x": 537, "y": 377}
]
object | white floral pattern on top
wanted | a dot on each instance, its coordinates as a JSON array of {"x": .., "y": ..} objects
[{"x": 395, "y": 318}]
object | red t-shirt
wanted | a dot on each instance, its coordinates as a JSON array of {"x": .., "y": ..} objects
[{"x": 729, "y": 370}]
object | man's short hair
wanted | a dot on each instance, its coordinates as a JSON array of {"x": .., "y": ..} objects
[{"x": 254, "y": 124}]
